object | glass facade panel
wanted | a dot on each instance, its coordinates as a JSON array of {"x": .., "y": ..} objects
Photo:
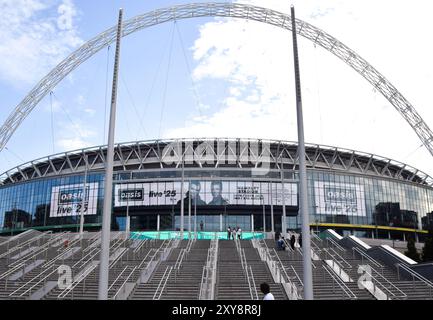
[{"x": 334, "y": 198}]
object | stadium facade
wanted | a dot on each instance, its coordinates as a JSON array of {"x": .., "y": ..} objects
[{"x": 225, "y": 182}]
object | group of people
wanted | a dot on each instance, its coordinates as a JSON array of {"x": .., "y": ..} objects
[
  {"x": 233, "y": 233},
  {"x": 294, "y": 242}
]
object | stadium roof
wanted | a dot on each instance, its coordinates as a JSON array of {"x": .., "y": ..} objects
[{"x": 152, "y": 154}]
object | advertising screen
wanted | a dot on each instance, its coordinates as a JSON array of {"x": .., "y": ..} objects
[
  {"x": 339, "y": 198},
  {"x": 205, "y": 193},
  {"x": 67, "y": 200}
]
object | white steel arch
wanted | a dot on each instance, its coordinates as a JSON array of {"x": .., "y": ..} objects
[{"x": 233, "y": 10}]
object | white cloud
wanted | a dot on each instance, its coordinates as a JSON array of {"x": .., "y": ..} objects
[
  {"x": 74, "y": 135},
  {"x": 72, "y": 143},
  {"x": 33, "y": 39},
  {"x": 90, "y": 111},
  {"x": 340, "y": 107}
]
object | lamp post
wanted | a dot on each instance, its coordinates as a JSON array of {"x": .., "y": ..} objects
[
  {"x": 83, "y": 202},
  {"x": 108, "y": 185},
  {"x": 303, "y": 197}
]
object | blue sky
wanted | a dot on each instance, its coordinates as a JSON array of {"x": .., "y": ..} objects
[{"x": 216, "y": 77}]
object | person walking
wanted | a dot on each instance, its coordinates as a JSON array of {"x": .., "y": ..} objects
[
  {"x": 266, "y": 290},
  {"x": 239, "y": 233},
  {"x": 300, "y": 240},
  {"x": 229, "y": 233},
  {"x": 201, "y": 225},
  {"x": 234, "y": 233},
  {"x": 292, "y": 241}
]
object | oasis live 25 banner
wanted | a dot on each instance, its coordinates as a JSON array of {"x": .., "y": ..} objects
[
  {"x": 205, "y": 193},
  {"x": 339, "y": 198},
  {"x": 67, "y": 200}
]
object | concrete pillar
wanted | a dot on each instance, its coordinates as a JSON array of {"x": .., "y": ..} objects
[
  {"x": 221, "y": 222},
  {"x": 128, "y": 225},
  {"x": 157, "y": 222},
  {"x": 252, "y": 223}
]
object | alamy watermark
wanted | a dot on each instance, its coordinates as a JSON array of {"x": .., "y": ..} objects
[{"x": 254, "y": 154}]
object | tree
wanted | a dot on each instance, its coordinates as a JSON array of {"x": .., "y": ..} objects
[
  {"x": 411, "y": 250},
  {"x": 427, "y": 250}
]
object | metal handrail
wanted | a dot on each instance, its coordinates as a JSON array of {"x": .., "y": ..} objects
[
  {"x": 315, "y": 236},
  {"x": 335, "y": 244},
  {"x": 118, "y": 277},
  {"x": 71, "y": 244},
  {"x": 124, "y": 283},
  {"x": 297, "y": 276},
  {"x": 93, "y": 242},
  {"x": 315, "y": 246},
  {"x": 348, "y": 265},
  {"x": 340, "y": 283},
  {"x": 369, "y": 258},
  {"x": 144, "y": 259},
  {"x": 138, "y": 248},
  {"x": 208, "y": 279},
  {"x": 254, "y": 284},
  {"x": 251, "y": 283},
  {"x": 40, "y": 275},
  {"x": 273, "y": 267},
  {"x": 23, "y": 244},
  {"x": 179, "y": 258},
  {"x": 401, "y": 294},
  {"x": 39, "y": 250},
  {"x": 281, "y": 264},
  {"x": 414, "y": 275},
  {"x": 82, "y": 276},
  {"x": 204, "y": 276},
  {"x": 168, "y": 269},
  {"x": 58, "y": 257},
  {"x": 111, "y": 265},
  {"x": 87, "y": 257},
  {"x": 11, "y": 271}
]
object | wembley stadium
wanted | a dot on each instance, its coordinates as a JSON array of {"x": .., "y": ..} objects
[
  {"x": 231, "y": 182},
  {"x": 215, "y": 218}
]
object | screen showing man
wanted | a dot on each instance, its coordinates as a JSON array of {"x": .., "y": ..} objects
[
  {"x": 194, "y": 190},
  {"x": 216, "y": 190}
]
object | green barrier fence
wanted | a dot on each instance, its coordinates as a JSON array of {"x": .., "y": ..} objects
[{"x": 201, "y": 235}]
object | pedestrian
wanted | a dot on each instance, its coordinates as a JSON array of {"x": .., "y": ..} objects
[
  {"x": 234, "y": 233},
  {"x": 283, "y": 244},
  {"x": 201, "y": 225},
  {"x": 229, "y": 232},
  {"x": 300, "y": 240},
  {"x": 239, "y": 233},
  {"x": 266, "y": 290},
  {"x": 280, "y": 244},
  {"x": 292, "y": 241}
]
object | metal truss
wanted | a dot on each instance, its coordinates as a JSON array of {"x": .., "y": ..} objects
[
  {"x": 232, "y": 10},
  {"x": 224, "y": 153}
]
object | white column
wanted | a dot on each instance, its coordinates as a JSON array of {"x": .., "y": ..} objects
[
  {"x": 158, "y": 221},
  {"x": 108, "y": 183},
  {"x": 221, "y": 222},
  {"x": 189, "y": 209},
  {"x": 83, "y": 196},
  {"x": 181, "y": 199},
  {"x": 272, "y": 209},
  {"x": 303, "y": 190},
  {"x": 128, "y": 225},
  {"x": 252, "y": 223}
]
